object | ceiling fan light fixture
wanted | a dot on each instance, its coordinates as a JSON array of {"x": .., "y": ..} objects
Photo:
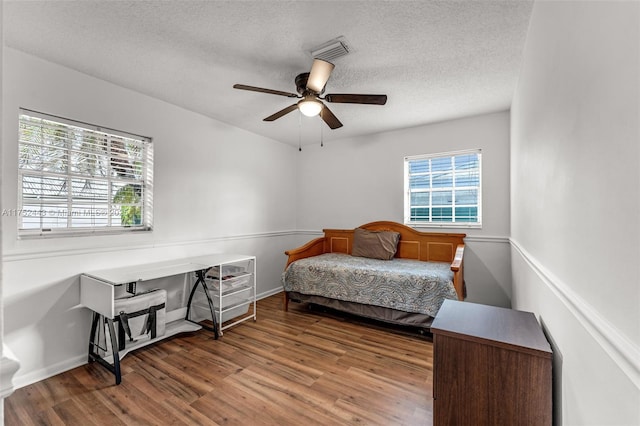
[
  {"x": 319, "y": 74},
  {"x": 310, "y": 107}
]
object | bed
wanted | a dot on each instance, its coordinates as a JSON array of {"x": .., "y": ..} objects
[{"x": 381, "y": 270}]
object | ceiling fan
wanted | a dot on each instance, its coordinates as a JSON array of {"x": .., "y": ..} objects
[{"x": 310, "y": 85}]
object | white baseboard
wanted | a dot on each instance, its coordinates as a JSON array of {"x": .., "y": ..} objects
[
  {"x": 9, "y": 365},
  {"x": 50, "y": 371},
  {"x": 269, "y": 293}
]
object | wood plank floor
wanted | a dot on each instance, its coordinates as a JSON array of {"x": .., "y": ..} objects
[{"x": 287, "y": 368}]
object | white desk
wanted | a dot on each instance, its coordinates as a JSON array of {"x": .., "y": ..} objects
[{"x": 98, "y": 288}]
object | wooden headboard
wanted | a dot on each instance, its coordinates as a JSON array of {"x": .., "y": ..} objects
[
  {"x": 437, "y": 247},
  {"x": 417, "y": 245}
]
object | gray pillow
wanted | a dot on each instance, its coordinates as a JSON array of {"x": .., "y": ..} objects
[{"x": 375, "y": 244}]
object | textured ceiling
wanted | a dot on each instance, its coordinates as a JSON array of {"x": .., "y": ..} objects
[{"x": 435, "y": 60}]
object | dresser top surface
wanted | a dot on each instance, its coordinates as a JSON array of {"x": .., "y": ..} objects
[{"x": 491, "y": 325}]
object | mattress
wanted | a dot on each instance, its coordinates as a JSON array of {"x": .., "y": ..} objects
[{"x": 401, "y": 284}]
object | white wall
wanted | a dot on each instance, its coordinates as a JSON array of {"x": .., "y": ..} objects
[
  {"x": 575, "y": 203},
  {"x": 216, "y": 188},
  {"x": 210, "y": 180},
  {"x": 1, "y": 303},
  {"x": 350, "y": 182}
]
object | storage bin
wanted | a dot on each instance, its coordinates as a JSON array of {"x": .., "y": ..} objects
[
  {"x": 232, "y": 276},
  {"x": 139, "y": 317},
  {"x": 236, "y": 290}
]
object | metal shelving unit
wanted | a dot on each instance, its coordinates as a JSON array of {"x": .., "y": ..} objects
[{"x": 232, "y": 287}]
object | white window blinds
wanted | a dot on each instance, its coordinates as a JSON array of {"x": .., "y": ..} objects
[
  {"x": 443, "y": 189},
  {"x": 80, "y": 178}
]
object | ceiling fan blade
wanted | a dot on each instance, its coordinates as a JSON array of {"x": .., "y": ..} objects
[
  {"x": 320, "y": 72},
  {"x": 262, "y": 90},
  {"x": 282, "y": 112},
  {"x": 328, "y": 117},
  {"x": 346, "y": 98}
]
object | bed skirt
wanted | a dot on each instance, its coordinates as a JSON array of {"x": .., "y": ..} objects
[{"x": 378, "y": 313}]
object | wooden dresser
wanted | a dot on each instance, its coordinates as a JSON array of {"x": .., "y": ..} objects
[{"x": 492, "y": 366}]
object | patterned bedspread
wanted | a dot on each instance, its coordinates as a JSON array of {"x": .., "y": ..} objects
[{"x": 402, "y": 284}]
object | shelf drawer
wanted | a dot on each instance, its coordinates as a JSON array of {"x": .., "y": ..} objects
[
  {"x": 201, "y": 309},
  {"x": 237, "y": 295},
  {"x": 229, "y": 286},
  {"x": 97, "y": 295}
]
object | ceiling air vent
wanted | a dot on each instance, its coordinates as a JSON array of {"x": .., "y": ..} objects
[{"x": 330, "y": 50}]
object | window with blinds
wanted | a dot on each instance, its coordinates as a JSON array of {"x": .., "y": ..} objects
[
  {"x": 443, "y": 189},
  {"x": 76, "y": 178}
]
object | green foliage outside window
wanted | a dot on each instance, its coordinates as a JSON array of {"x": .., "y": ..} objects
[{"x": 129, "y": 214}]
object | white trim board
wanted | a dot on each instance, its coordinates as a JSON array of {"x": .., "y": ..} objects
[
  {"x": 486, "y": 239},
  {"x": 19, "y": 255},
  {"x": 468, "y": 238},
  {"x": 622, "y": 351}
]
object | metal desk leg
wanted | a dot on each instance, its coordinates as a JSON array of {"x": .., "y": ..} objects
[
  {"x": 114, "y": 347},
  {"x": 95, "y": 319},
  {"x": 94, "y": 343},
  {"x": 201, "y": 281}
]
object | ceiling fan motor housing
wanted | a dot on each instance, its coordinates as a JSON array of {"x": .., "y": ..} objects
[{"x": 301, "y": 83}]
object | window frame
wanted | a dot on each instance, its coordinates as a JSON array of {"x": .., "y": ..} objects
[
  {"x": 442, "y": 224},
  {"x": 140, "y": 181}
]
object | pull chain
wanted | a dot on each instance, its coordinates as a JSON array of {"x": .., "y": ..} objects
[
  {"x": 299, "y": 131},
  {"x": 321, "y": 133}
]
